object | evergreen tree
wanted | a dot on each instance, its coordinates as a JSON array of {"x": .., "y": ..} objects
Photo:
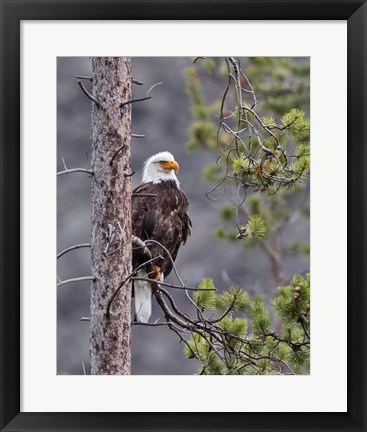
[
  {"x": 260, "y": 134},
  {"x": 246, "y": 342}
]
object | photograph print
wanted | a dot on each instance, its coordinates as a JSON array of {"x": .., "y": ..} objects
[{"x": 183, "y": 216}]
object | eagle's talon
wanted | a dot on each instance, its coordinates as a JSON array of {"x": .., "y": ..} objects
[{"x": 156, "y": 273}]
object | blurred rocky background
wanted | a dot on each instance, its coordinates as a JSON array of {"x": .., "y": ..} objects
[{"x": 164, "y": 120}]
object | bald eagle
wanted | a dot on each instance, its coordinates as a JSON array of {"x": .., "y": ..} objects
[{"x": 162, "y": 218}]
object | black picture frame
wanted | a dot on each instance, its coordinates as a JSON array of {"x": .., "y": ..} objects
[{"x": 12, "y": 12}]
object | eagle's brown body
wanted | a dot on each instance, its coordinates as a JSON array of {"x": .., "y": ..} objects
[
  {"x": 159, "y": 214},
  {"x": 163, "y": 218}
]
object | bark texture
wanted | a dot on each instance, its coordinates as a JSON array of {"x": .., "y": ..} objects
[{"x": 111, "y": 216}]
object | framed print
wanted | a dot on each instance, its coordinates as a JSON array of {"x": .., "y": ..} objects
[{"x": 244, "y": 160}]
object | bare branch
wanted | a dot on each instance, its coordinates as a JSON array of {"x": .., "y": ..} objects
[
  {"x": 147, "y": 97},
  {"x": 229, "y": 309},
  {"x": 78, "y": 246},
  {"x": 137, "y": 135},
  {"x": 134, "y": 100},
  {"x": 168, "y": 313},
  {"x": 74, "y": 170},
  {"x": 116, "y": 153},
  {"x": 303, "y": 320},
  {"x": 155, "y": 85},
  {"x": 134, "y": 81},
  {"x": 86, "y": 92},
  {"x": 168, "y": 285},
  {"x": 138, "y": 243},
  {"x": 83, "y": 77},
  {"x": 79, "y": 279},
  {"x": 137, "y": 323},
  {"x": 198, "y": 58},
  {"x": 137, "y": 82},
  {"x": 129, "y": 174},
  {"x": 87, "y": 157},
  {"x": 63, "y": 161}
]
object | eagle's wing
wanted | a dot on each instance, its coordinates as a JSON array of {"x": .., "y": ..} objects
[
  {"x": 159, "y": 214},
  {"x": 163, "y": 218},
  {"x": 143, "y": 216}
]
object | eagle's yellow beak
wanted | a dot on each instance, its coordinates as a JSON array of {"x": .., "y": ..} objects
[{"x": 170, "y": 165}]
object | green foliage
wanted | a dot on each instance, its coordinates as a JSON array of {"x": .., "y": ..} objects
[
  {"x": 255, "y": 227},
  {"x": 299, "y": 357},
  {"x": 301, "y": 167},
  {"x": 255, "y": 204},
  {"x": 197, "y": 347},
  {"x": 235, "y": 298},
  {"x": 260, "y": 317},
  {"x": 220, "y": 232},
  {"x": 207, "y": 283},
  {"x": 270, "y": 168},
  {"x": 257, "y": 162},
  {"x": 202, "y": 134},
  {"x": 295, "y": 123},
  {"x": 237, "y": 326},
  {"x": 299, "y": 247},
  {"x": 293, "y": 300},
  {"x": 227, "y": 213},
  {"x": 283, "y": 351},
  {"x": 302, "y": 150},
  {"x": 205, "y": 299},
  {"x": 240, "y": 164},
  {"x": 267, "y": 158},
  {"x": 247, "y": 346},
  {"x": 234, "y": 330},
  {"x": 203, "y": 130},
  {"x": 223, "y": 234},
  {"x": 281, "y": 83},
  {"x": 269, "y": 121}
]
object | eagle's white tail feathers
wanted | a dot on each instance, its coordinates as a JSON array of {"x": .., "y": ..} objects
[{"x": 143, "y": 299}]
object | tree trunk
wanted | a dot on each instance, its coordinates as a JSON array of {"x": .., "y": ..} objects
[{"x": 111, "y": 216}]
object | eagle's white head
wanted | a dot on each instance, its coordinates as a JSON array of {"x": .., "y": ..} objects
[{"x": 160, "y": 167}]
